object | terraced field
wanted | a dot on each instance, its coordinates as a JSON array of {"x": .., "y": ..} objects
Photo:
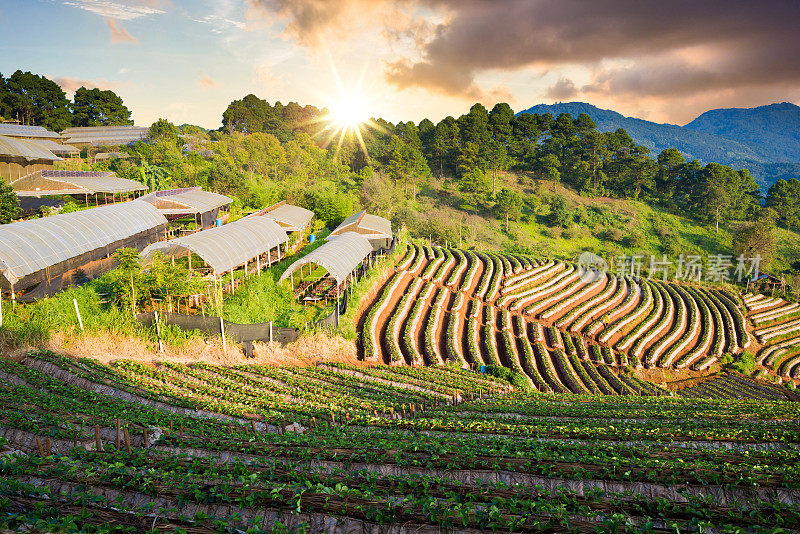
[
  {"x": 566, "y": 329},
  {"x": 201, "y": 448},
  {"x": 776, "y": 327}
]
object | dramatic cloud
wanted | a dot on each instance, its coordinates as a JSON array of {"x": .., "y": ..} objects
[
  {"x": 563, "y": 89},
  {"x": 70, "y": 85},
  {"x": 119, "y": 34},
  {"x": 649, "y": 48},
  {"x": 121, "y": 9},
  {"x": 206, "y": 82}
]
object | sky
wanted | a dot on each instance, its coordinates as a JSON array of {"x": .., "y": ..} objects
[{"x": 186, "y": 60}]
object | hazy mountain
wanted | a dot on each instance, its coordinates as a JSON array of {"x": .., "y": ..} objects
[
  {"x": 763, "y": 139},
  {"x": 775, "y": 129}
]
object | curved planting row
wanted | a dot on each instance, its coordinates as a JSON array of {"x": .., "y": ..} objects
[
  {"x": 444, "y": 268},
  {"x": 570, "y": 317},
  {"x": 775, "y": 313},
  {"x": 434, "y": 317},
  {"x": 707, "y": 333},
  {"x": 486, "y": 277},
  {"x": 742, "y": 337},
  {"x": 528, "y": 361},
  {"x": 454, "y": 351},
  {"x": 462, "y": 264},
  {"x": 497, "y": 277},
  {"x": 435, "y": 260},
  {"x": 770, "y": 353},
  {"x": 790, "y": 367},
  {"x": 558, "y": 295},
  {"x": 762, "y": 303},
  {"x": 489, "y": 337},
  {"x": 632, "y": 301},
  {"x": 470, "y": 279},
  {"x": 413, "y": 324},
  {"x": 512, "y": 284},
  {"x": 779, "y": 330},
  {"x": 561, "y": 305},
  {"x": 520, "y": 299},
  {"x": 661, "y": 323},
  {"x": 637, "y": 313},
  {"x": 680, "y": 310},
  {"x": 692, "y": 328},
  {"x": 600, "y": 306},
  {"x": 372, "y": 347},
  {"x": 473, "y": 333},
  {"x": 412, "y": 252},
  {"x": 399, "y": 318}
]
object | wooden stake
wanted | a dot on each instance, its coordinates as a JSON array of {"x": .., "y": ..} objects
[
  {"x": 127, "y": 440},
  {"x": 253, "y": 424},
  {"x": 39, "y": 445},
  {"x": 97, "y": 442}
]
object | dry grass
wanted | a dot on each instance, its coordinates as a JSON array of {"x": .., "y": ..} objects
[{"x": 307, "y": 350}]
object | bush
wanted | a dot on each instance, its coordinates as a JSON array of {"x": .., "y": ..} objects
[
  {"x": 499, "y": 371},
  {"x": 745, "y": 363},
  {"x": 519, "y": 382},
  {"x": 635, "y": 240}
]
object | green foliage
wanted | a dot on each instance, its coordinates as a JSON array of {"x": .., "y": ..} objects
[
  {"x": 163, "y": 130},
  {"x": 9, "y": 204},
  {"x": 95, "y": 107},
  {"x": 34, "y": 99}
]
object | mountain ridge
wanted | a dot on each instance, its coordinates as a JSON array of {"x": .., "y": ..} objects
[{"x": 764, "y": 139}]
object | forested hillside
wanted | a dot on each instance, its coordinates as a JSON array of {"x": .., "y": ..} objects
[{"x": 763, "y": 140}]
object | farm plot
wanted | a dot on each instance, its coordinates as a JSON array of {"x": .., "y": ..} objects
[
  {"x": 140, "y": 448},
  {"x": 468, "y": 301}
]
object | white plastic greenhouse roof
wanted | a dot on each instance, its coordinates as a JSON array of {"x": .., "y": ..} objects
[
  {"x": 225, "y": 247},
  {"x": 24, "y": 130},
  {"x": 29, "y": 246},
  {"x": 373, "y": 226},
  {"x": 291, "y": 218},
  {"x": 51, "y": 182},
  {"x": 24, "y": 148},
  {"x": 186, "y": 201},
  {"x": 339, "y": 256}
]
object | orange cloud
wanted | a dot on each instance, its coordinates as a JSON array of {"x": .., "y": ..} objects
[
  {"x": 207, "y": 82},
  {"x": 118, "y": 33},
  {"x": 70, "y": 84}
]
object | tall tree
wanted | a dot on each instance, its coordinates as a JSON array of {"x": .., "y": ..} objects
[
  {"x": 784, "y": 197},
  {"x": 508, "y": 203},
  {"x": 34, "y": 99},
  {"x": 93, "y": 107}
]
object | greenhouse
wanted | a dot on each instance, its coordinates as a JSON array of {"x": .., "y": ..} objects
[
  {"x": 81, "y": 183},
  {"x": 255, "y": 240},
  {"x": 375, "y": 229},
  {"x": 341, "y": 258},
  {"x": 204, "y": 206},
  {"x": 39, "y": 250}
]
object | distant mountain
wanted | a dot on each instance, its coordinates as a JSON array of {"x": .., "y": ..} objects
[
  {"x": 774, "y": 128},
  {"x": 759, "y": 139}
]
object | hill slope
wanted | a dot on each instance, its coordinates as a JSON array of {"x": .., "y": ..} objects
[
  {"x": 759, "y": 139},
  {"x": 774, "y": 128}
]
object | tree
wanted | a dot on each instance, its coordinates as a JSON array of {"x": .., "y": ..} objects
[
  {"x": 154, "y": 177},
  {"x": 9, "y": 204},
  {"x": 756, "y": 238},
  {"x": 508, "y": 203},
  {"x": 549, "y": 168},
  {"x": 34, "y": 99},
  {"x": 163, "y": 130},
  {"x": 784, "y": 198},
  {"x": 93, "y": 107}
]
